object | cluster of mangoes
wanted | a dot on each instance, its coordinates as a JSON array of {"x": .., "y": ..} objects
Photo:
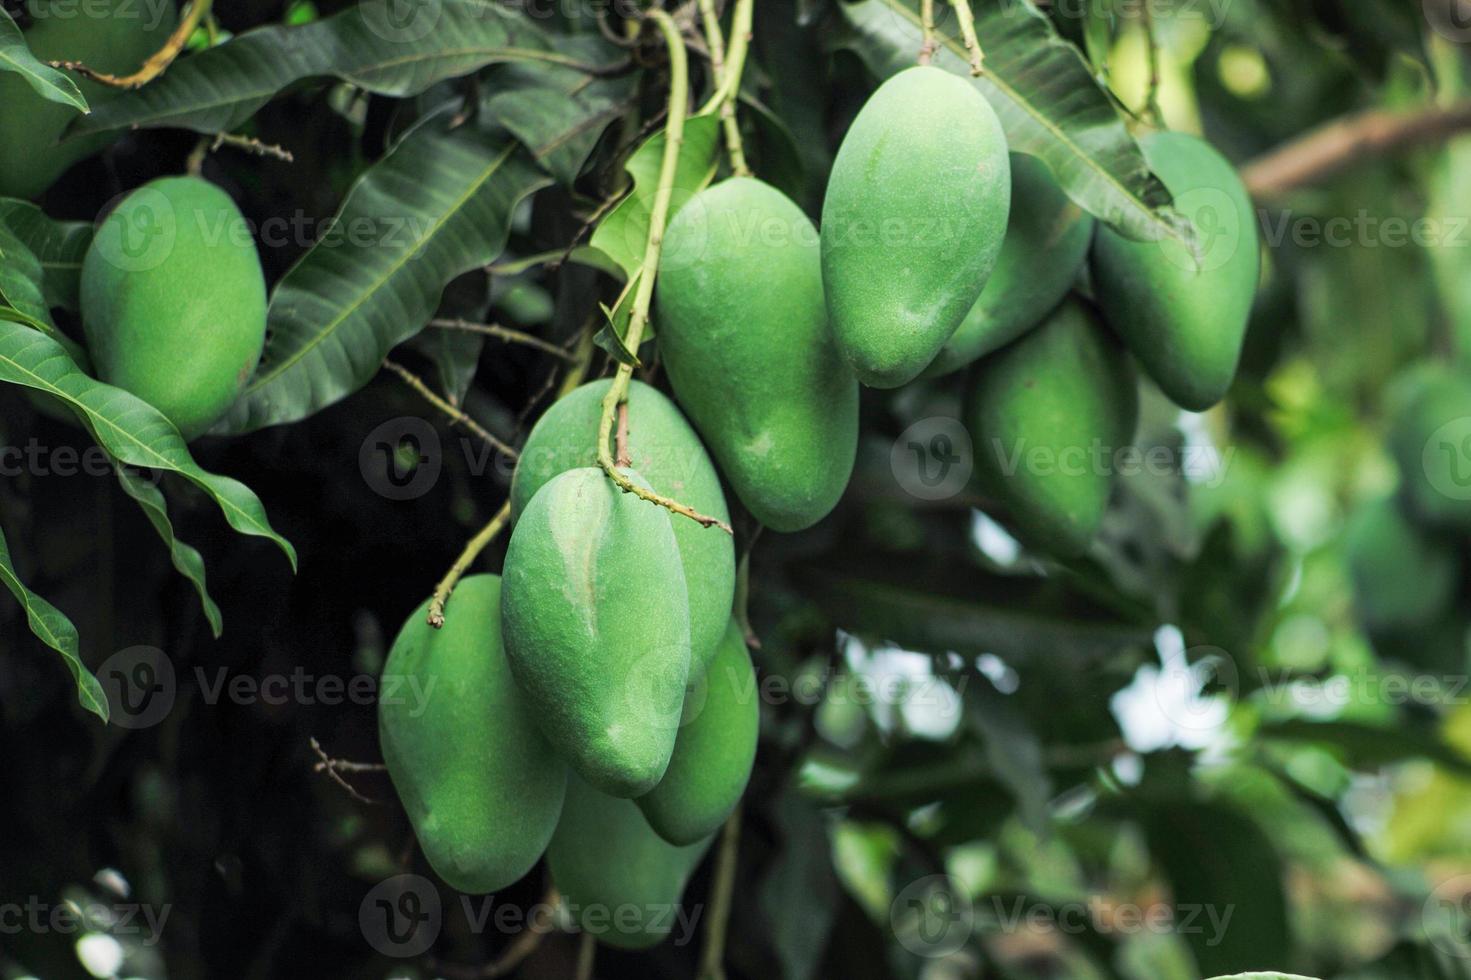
[
  {"x": 597, "y": 703},
  {"x": 1407, "y": 551}
]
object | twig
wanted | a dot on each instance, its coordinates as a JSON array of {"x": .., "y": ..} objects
[
  {"x": 927, "y": 29},
  {"x": 1323, "y": 152},
  {"x": 644, "y": 292},
  {"x": 621, "y": 442},
  {"x": 335, "y": 767},
  {"x": 734, "y": 148},
  {"x": 526, "y": 943},
  {"x": 157, "y": 63},
  {"x": 479, "y": 543},
  {"x": 415, "y": 382},
  {"x": 503, "y": 333},
  {"x": 742, "y": 604},
  {"x": 1151, "y": 41},
  {"x": 721, "y": 889},
  {"x": 587, "y": 955},
  {"x": 968, "y": 32},
  {"x": 735, "y": 58},
  {"x": 252, "y": 145}
]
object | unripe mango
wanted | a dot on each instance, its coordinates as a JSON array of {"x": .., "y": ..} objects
[
  {"x": 1047, "y": 239},
  {"x": 1184, "y": 316},
  {"x": 481, "y": 784},
  {"x": 597, "y": 627},
  {"x": 715, "y": 750},
  {"x": 743, "y": 333},
  {"x": 1403, "y": 577},
  {"x": 1048, "y": 415},
  {"x": 1430, "y": 437},
  {"x": 114, "y": 36},
  {"x": 665, "y": 450},
  {"x": 174, "y": 300},
  {"x": 621, "y": 880},
  {"x": 913, "y": 222}
]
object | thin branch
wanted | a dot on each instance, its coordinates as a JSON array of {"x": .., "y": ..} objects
[
  {"x": 503, "y": 333},
  {"x": 644, "y": 291},
  {"x": 417, "y": 383},
  {"x": 1333, "y": 147},
  {"x": 927, "y": 28},
  {"x": 722, "y": 888},
  {"x": 734, "y": 148},
  {"x": 968, "y": 32},
  {"x": 252, "y": 145},
  {"x": 735, "y": 58},
  {"x": 157, "y": 63},
  {"x": 477, "y": 544},
  {"x": 1151, "y": 42},
  {"x": 335, "y": 767},
  {"x": 526, "y": 943},
  {"x": 587, "y": 955},
  {"x": 621, "y": 441}
]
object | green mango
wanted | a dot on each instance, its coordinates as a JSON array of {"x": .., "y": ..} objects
[
  {"x": 715, "y": 750},
  {"x": 1047, "y": 239},
  {"x": 1430, "y": 438},
  {"x": 1185, "y": 320},
  {"x": 743, "y": 333},
  {"x": 666, "y": 451},
  {"x": 1403, "y": 577},
  {"x": 114, "y": 36},
  {"x": 621, "y": 881},
  {"x": 597, "y": 627},
  {"x": 174, "y": 300},
  {"x": 1048, "y": 415},
  {"x": 913, "y": 222},
  {"x": 482, "y": 786}
]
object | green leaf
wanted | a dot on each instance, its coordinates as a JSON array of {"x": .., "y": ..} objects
[
  {"x": 1046, "y": 97},
  {"x": 1371, "y": 745},
  {"x": 56, "y": 631},
  {"x": 369, "y": 45},
  {"x": 187, "y": 561},
  {"x": 50, "y": 84},
  {"x": 441, "y": 204},
  {"x": 624, "y": 233},
  {"x": 559, "y": 112},
  {"x": 59, "y": 246},
  {"x": 128, "y": 428},
  {"x": 21, "y": 288}
]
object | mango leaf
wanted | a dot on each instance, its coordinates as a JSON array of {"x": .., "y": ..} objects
[
  {"x": 1371, "y": 745},
  {"x": 56, "y": 631},
  {"x": 60, "y": 247},
  {"x": 1046, "y": 97},
  {"x": 372, "y": 45},
  {"x": 624, "y": 233},
  {"x": 441, "y": 203},
  {"x": 128, "y": 428},
  {"x": 21, "y": 285},
  {"x": 187, "y": 561},
  {"x": 559, "y": 112},
  {"x": 50, "y": 84}
]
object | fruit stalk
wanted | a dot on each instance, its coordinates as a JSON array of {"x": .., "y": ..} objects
[
  {"x": 721, "y": 891},
  {"x": 927, "y": 30},
  {"x": 157, "y": 63},
  {"x": 479, "y": 431},
  {"x": 735, "y": 59},
  {"x": 644, "y": 291},
  {"x": 968, "y": 32},
  {"x": 733, "y": 145},
  {"x": 462, "y": 564}
]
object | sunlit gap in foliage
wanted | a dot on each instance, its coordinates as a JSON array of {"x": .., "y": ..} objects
[
  {"x": 993, "y": 540},
  {"x": 1163, "y": 705},
  {"x": 899, "y": 689}
]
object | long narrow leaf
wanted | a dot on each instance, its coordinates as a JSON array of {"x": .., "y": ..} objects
[
  {"x": 187, "y": 561},
  {"x": 50, "y": 84},
  {"x": 440, "y": 205},
  {"x": 22, "y": 289},
  {"x": 128, "y": 428},
  {"x": 56, "y": 631},
  {"x": 59, "y": 246}
]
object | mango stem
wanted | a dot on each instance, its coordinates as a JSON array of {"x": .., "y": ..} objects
[
  {"x": 644, "y": 292},
  {"x": 734, "y": 148},
  {"x": 968, "y": 32},
  {"x": 157, "y": 63},
  {"x": 462, "y": 564},
  {"x": 721, "y": 889},
  {"x": 928, "y": 45}
]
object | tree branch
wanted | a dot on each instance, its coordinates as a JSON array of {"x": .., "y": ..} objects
[{"x": 1332, "y": 148}]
